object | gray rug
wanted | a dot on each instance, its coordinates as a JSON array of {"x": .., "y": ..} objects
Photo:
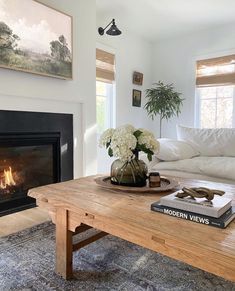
[{"x": 27, "y": 262}]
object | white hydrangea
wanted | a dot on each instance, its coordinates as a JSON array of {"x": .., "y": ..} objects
[
  {"x": 106, "y": 137},
  {"x": 147, "y": 138},
  {"x": 123, "y": 143},
  {"x": 125, "y": 128},
  {"x": 124, "y": 140}
]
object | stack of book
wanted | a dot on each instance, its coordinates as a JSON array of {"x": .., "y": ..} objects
[{"x": 218, "y": 213}]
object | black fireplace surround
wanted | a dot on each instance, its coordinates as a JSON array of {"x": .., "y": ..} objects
[{"x": 36, "y": 149}]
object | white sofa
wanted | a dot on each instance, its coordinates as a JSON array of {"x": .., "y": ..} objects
[{"x": 206, "y": 154}]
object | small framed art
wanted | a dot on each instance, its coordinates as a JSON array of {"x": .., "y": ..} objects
[
  {"x": 136, "y": 98},
  {"x": 138, "y": 78}
]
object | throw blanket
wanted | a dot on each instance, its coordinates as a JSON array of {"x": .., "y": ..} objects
[{"x": 219, "y": 167}]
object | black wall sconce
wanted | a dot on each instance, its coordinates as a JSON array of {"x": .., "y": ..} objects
[{"x": 113, "y": 30}]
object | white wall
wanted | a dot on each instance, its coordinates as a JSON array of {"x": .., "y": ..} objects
[
  {"x": 80, "y": 90},
  {"x": 174, "y": 62},
  {"x": 132, "y": 54}
]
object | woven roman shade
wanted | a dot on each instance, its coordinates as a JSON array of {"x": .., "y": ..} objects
[
  {"x": 105, "y": 66},
  {"x": 216, "y": 71}
]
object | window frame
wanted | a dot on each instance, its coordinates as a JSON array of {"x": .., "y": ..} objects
[
  {"x": 198, "y": 105},
  {"x": 193, "y": 63}
]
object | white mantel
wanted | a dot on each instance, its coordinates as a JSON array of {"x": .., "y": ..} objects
[{"x": 19, "y": 103}]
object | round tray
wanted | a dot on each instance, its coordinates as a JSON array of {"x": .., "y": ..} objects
[{"x": 167, "y": 184}]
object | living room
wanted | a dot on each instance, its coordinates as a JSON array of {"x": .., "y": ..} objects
[{"x": 115, "y": 56}]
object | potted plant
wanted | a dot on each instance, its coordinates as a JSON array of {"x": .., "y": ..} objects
[
  {"x": 125, "y": 143},
  {"x": 163, "y": 100}
]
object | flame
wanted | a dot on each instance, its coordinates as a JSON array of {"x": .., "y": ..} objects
[{"x": 8, "y": 179}]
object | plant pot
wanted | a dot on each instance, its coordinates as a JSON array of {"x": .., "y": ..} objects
[{"x": 132, "y": 174}]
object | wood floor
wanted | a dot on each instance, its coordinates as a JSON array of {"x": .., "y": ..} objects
[{"x": 24, "y": 219}]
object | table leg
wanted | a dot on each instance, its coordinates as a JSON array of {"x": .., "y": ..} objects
[{"x": 64, "y": 245}]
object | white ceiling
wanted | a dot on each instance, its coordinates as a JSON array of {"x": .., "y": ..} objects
[{"x": 158, "y": 19}]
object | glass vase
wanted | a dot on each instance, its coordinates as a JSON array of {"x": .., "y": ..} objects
[{"x": 132, "y": 174}]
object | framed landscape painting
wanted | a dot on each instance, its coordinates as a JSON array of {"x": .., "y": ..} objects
[{"x": 35, "y": 38}]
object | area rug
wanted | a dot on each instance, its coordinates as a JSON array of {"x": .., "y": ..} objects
[{"x": 27, "y": 262}]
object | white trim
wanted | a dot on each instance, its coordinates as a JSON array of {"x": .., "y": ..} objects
[
  {"x": 114, "y": 106},
  {"x": 214, "y": 55},
  {"x": 106, "y": 48},
  {"x": 233, "y": 121},
  {"x": 32, "y": 104},
  {"x": 62, "y": 99},
  {"x": 197, "y": 108}
]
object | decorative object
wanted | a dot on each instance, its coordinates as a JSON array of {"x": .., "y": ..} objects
[
  {"x": 113, "y": 30},
  {"x": 166, "y": 184},
  {"x": 154, "y": 180},
  {"x": 138, "y": 78},
  {"x": 136, "y": 98},
  {"x": 31, "y": 254},
  {"x": 199, "y": 192},
  {"x": 133, "y": 173},
  {"x": 163, "y": 100},
  {"x": 125, "y": 143},
  {"x": 215, "y": 208},
  {"x": 35, "y": 38}
]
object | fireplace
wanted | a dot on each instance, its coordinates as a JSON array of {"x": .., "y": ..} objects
[{"x": 36, "y": 149}]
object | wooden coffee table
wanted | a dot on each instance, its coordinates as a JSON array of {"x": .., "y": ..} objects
[{"x": 75, "y": 206}]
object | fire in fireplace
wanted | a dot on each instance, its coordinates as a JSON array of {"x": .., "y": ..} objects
[
  {"x": 7, "y": 181},
  {"x": 27, "y": 161},
  {"x": 25, "y": 167},
  {"x": 31, "y": 155},
  {"x": 8, "y": 184}
]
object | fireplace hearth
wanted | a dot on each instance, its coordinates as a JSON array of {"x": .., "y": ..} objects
[{"x": 31, "y": 156}]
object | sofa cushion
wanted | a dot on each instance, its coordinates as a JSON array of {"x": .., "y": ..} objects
[
  {"x": 209, "y": 142},
  {"x": 174, "y": 150},
  {"x": 219, "y": 167}
]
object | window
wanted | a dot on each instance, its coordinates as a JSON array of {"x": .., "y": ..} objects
[
  {"x": 105, "y": 78},
  {"x": 216, "y": 92},
  {"x": 104, "y": 105},
  {"x": 216, "y": 106}
]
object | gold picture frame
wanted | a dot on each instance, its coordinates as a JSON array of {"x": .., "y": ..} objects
[
  {"x": 138, "y": 78},
  {"x": 36, "y": 38}
]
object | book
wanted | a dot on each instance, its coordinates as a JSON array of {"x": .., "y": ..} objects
[
  {"x": 218, "y": 206},
  {"x": 221, "y": 222}
]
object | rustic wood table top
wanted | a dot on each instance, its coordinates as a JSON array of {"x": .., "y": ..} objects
[{"x": 80, "y": 204}]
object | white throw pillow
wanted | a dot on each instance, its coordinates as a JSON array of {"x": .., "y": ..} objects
[
  {"x": 209, "y": 142},
  {"x": 174, "y": 150}
]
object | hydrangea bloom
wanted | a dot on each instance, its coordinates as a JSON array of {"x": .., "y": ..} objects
[
  {"x": 124, "y": 141},
  {"x": 123, "y": 144},
  {"x": 147, "y": 138},
  {"x": 106, "y": 137}
]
